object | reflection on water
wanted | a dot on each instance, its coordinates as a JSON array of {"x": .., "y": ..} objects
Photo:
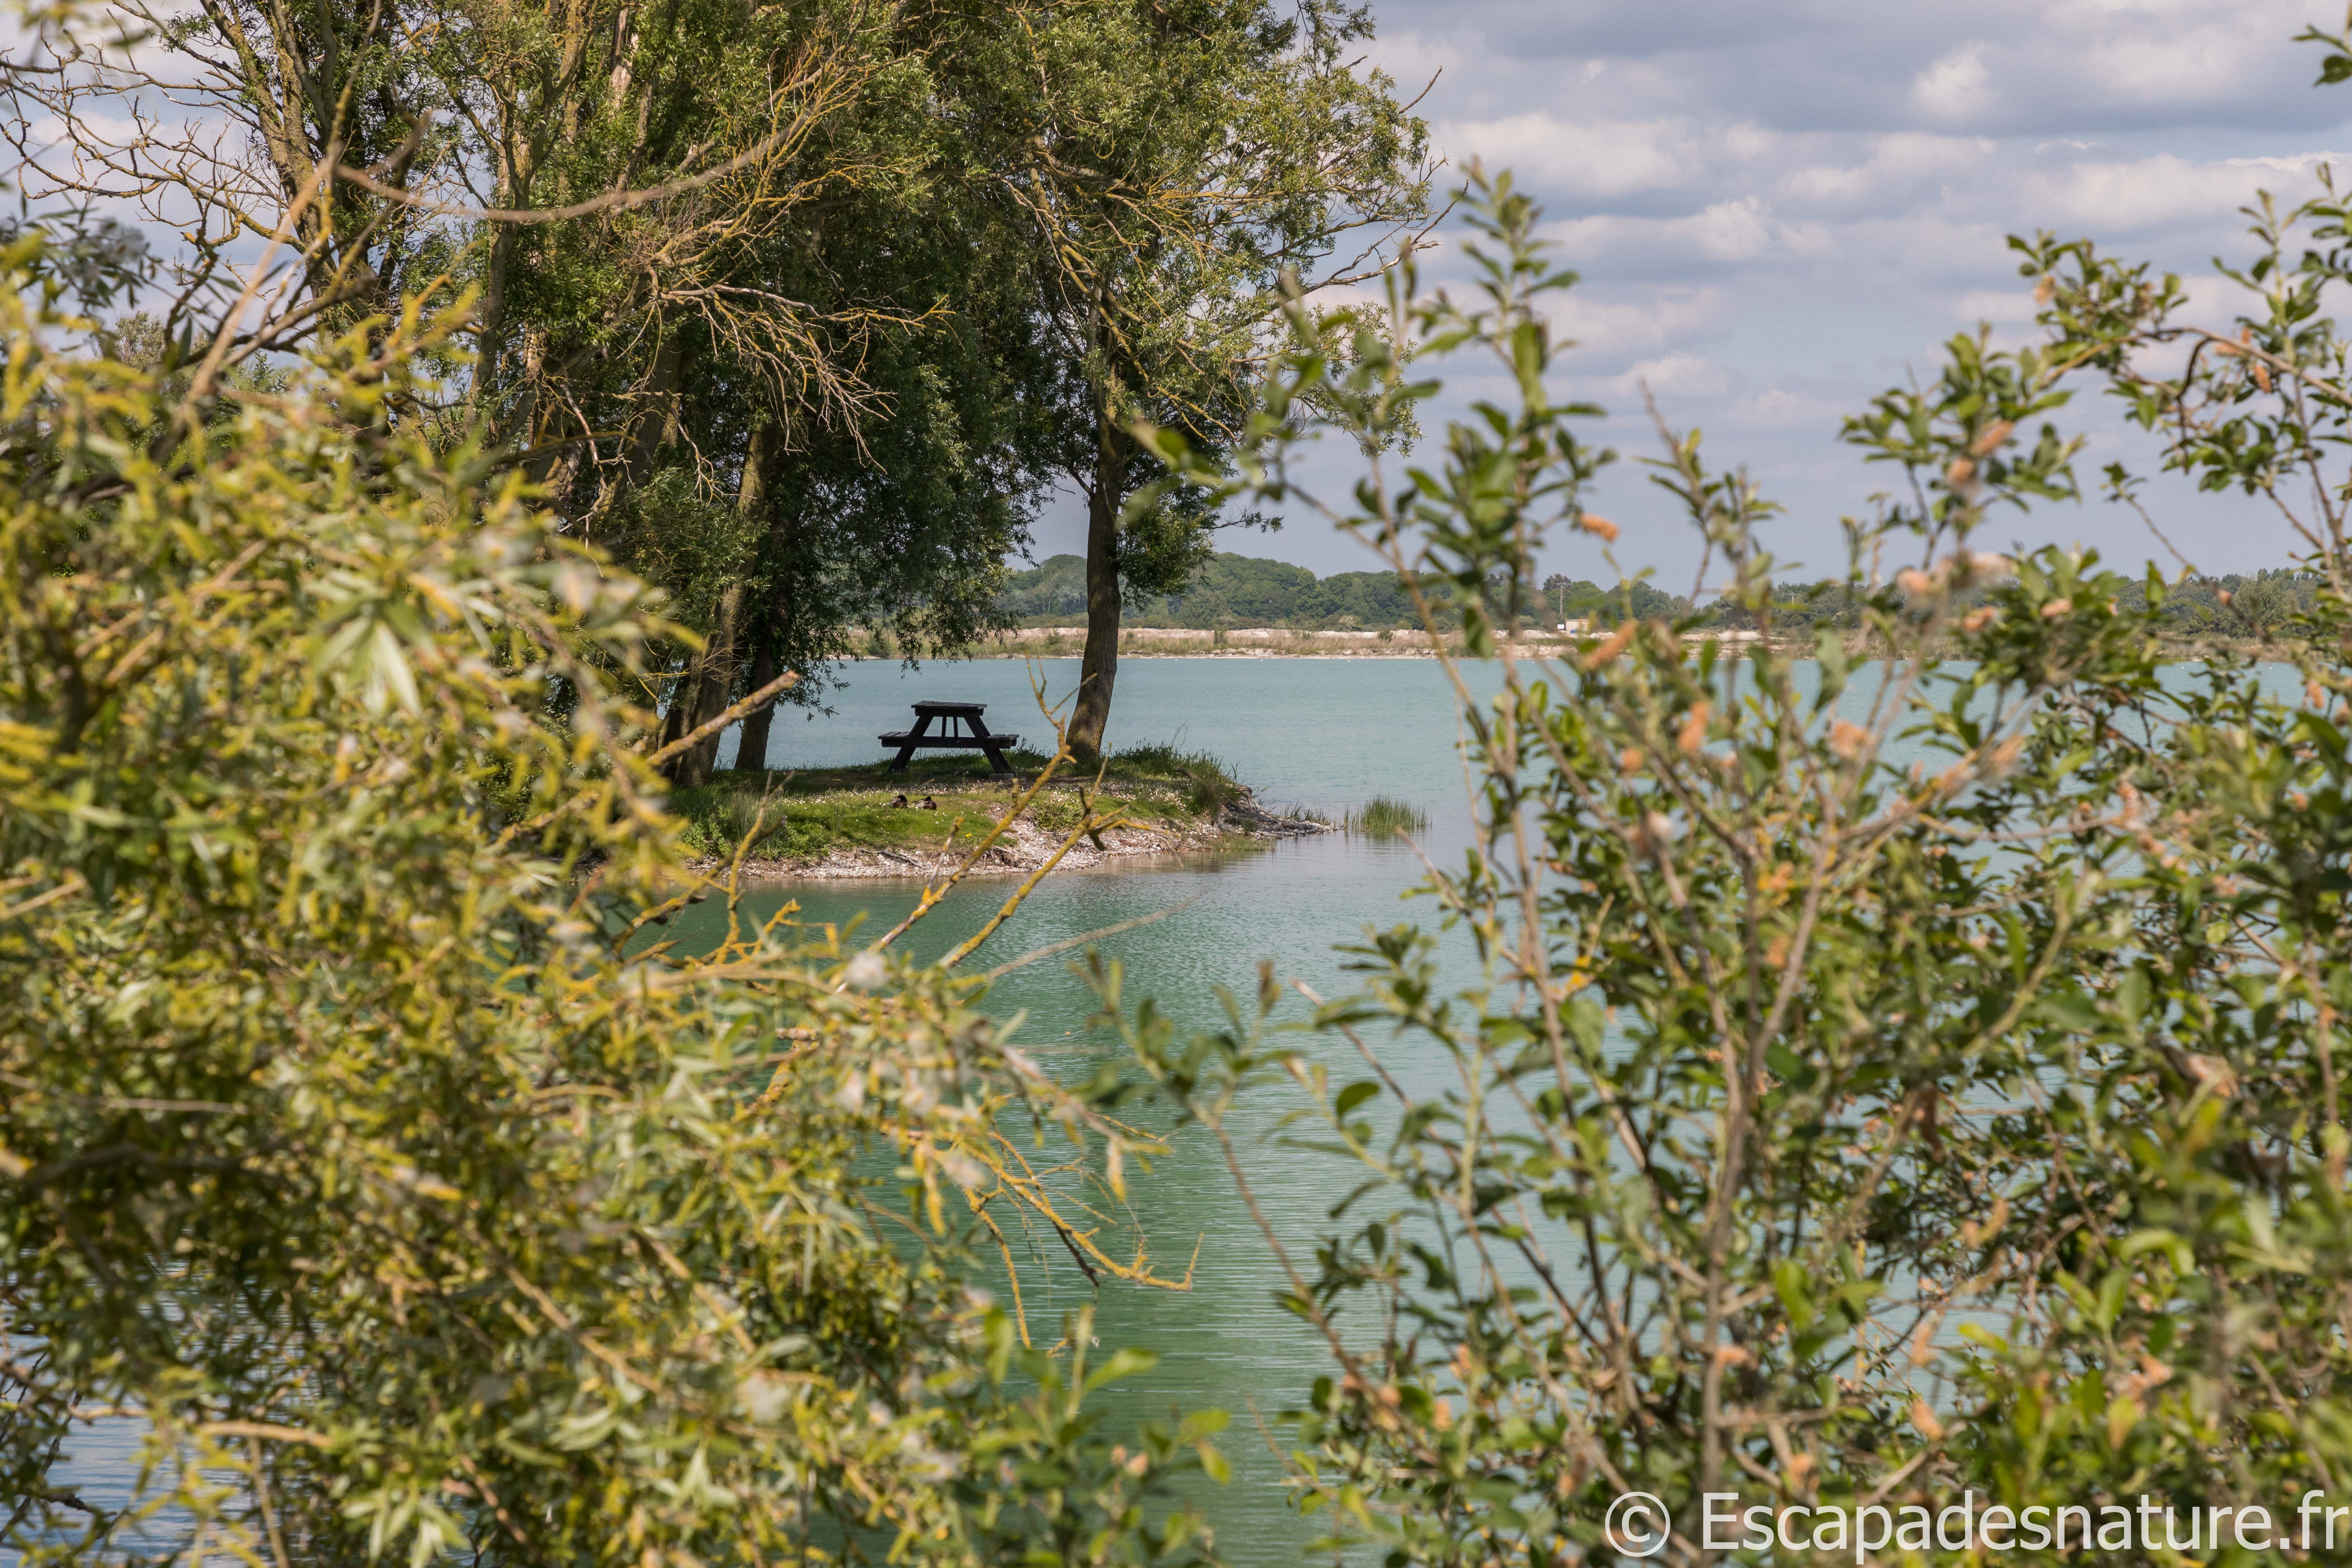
[{"x": 1225, "y": 1342}]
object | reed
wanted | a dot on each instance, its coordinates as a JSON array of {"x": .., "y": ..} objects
[{"x": 1383, "y": 816}]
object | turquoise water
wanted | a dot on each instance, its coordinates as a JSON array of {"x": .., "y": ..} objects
[
  {"x": 1323, "y": 734},
  {"x": 1320, "y": 731}
]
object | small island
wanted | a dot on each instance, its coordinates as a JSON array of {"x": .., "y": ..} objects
[{"x": 848, "y": 822}]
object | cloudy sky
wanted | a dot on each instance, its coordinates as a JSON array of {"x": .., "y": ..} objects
[{"x": 1782, "y": 206}]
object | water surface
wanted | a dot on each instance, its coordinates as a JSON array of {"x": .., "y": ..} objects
[{"x": 1326, "y": 734}]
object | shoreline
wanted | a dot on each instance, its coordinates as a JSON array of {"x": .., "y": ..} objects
[{"x": 1024, "y": 847}]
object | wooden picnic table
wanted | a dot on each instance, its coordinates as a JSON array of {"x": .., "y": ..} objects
[{"x": 977, "y": 737}]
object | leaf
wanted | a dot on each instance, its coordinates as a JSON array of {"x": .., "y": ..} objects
[
  {"x": 1126, "y": 1362},
  {"x": 2124, "y": 1412},
  {"x": 388, "y": 670},
  {"x": 1793, "y": 1285},
  {"x": 1354, "y": 1095}
]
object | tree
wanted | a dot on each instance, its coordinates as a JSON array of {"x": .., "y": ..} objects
[
  {"x": 1172, "y": 164},
  {"x": 1573, "y": 596},
  {"x": 358, "y": 1143},
  {"x": 1836, "y": 1128},
  {"x": 734, "y": 291}
]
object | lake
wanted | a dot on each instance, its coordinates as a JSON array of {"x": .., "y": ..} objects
[{"x": 1326, "y": 733}]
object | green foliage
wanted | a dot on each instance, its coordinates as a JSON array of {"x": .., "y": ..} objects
[
  {"x": 804, "y": 814},
  {"x": 352, "y": 1148},
  {"x": 1824, "y": 1124},
  {"x": 1384, "y": 818},
  {"x": 1565, "y": 597},
  {"x": 1221, "y": 591},
  {"x": 1791, "y": 607},
  {"x": 824, "y": 296},
  {"x": 1231, "y": 591},
  {"x": 2246, "y": 605},
  {"x": 1180, "y": 168}
]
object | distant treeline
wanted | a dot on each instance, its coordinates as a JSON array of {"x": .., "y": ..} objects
[
  {"x": 2235, "y": 605},
  {"x": 1243, "y": 591}
]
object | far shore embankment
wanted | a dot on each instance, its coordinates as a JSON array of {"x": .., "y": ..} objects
[{"x": 1279, "y": 642}]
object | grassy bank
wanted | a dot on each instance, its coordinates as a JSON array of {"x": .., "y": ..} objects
[{"x": 816, "y": 813}]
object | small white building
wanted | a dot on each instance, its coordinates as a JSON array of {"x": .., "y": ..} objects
[{"x": 1576, "y": 628}]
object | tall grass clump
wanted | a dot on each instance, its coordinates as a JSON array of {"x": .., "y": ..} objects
[
  {"x": 1384, "y": 816},
  {"x": 1208, "y": 784},
  {"x": 717, "y": 818}
]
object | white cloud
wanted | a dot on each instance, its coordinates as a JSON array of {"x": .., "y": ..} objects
[
  {"x": 1781, "y": 408},
  {"x": 1677, "y": 374},
  {"x": 1609, "y": 330},
  {"x": 1954, "y": 87},
  {"x": 1893, "y": 164},
  {"x": 1733, "y": 230},
  {"x": 1736, "y": 230},
  {"x": 1606, "y": 158},
  {"x": 1782, "y": 207},
  {"x": 2003, "y": 307},
  {"x": 2140, "y": 195}
]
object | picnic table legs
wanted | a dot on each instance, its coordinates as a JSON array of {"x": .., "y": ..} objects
[
  {"x": 996, "y": 762},
  {"x": 914, "y": 736}
]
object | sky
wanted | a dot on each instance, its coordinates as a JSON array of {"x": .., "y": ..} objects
[{"x": 1782, "y": 207}]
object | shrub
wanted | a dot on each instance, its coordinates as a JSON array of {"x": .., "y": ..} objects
[
  {"x": 1823, "y": 1130},
  {"x": 348, "y": 1143}
]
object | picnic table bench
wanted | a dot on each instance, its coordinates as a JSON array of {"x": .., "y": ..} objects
[{"x": 977, "y": 738}]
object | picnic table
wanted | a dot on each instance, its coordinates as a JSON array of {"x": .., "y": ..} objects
[{"x": 977, "y": 737}]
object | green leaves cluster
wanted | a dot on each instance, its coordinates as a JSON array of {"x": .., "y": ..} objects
[
  {"x": 359, "y": 1156},
  {"x": 1909, "y": 1069}
]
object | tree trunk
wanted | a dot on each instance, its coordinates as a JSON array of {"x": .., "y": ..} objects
[
  {"x": 654, "y": 427},
  {"x": 681, "y": 702},
  {"x": 751, "y": 751},
  {"x": 711, "y": 685},
  {"x": 1098, "y": 670}
]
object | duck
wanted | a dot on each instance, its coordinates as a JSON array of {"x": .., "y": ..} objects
[
  {"x": 929, "y": 804},
  {"x": 898, "y": 803}
]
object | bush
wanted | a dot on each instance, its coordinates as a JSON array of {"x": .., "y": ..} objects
[
  {"x": 1823, "y": 1130},
  {"x": 350, "y": 1145}
]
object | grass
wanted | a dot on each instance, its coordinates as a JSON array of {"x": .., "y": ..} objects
[
  {"x": 814, "y": 811},
  {"x": 1209, "y": 785},
  {"x": 1383, "y": 816}
]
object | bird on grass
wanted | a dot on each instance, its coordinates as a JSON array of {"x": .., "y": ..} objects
[
  {"x": 898, "y": 803},
  {"x": 929, "y": 804}
]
